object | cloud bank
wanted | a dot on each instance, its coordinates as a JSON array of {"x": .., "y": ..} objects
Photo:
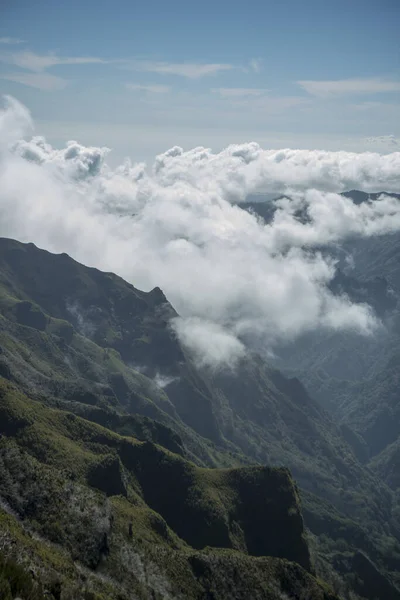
[{"x": 235, "y": 281}]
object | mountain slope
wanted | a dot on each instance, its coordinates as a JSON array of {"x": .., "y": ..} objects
[
  {"x": 78, "y": 340},
  {"x": 111, "y": 504}
]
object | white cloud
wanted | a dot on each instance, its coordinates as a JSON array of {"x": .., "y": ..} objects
[
  {"x": 37, "y": 65},
  {"x": 15, "y": 121},
  {"x": 11, "y": 40},
  {"x": 350, "y": 86},
  {"x": 211, "y": 345},
  {"x": 41, "y": 81},
  {"x": 32, "y": 61},
  {"x": 188, "y": 70},
  {"x": 332, "y": 218},
  {"x": 40, "y": 62},
  {"x": 234, "y": 280},
  {"x": 75, "y": 161},
  {"x": 163, "y": 381},
  {"x": 245, "y": 168},
  {"x": 152, "y": 89}
]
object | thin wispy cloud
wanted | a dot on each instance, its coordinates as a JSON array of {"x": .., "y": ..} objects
[
  {"x": 40, "y": 81},
  {"x": 239, "y": 92},
  {"x": 11, "y": 40},
  {"x": 41, "y": 62},
  {"x": 32, "y": 61},
  {"x": 349, "y": 86},
  {"x": 152, "y": 89},
  {"x": 34, "y": 68},
  {"x": 188, "y": 70}
]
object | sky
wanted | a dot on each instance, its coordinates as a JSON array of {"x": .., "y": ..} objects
[{"x": 140, "y": 78}]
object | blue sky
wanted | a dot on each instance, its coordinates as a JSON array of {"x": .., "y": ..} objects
[{"x": 141, "y": 77}]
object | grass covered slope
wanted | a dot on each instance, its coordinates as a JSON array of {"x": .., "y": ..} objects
[
  {"x": 81, "y": 503},
  {"x": 74, "y": 361}
]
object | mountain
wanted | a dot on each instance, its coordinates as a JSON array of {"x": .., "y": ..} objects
[
  {"x": 107, "y": 421},
  {"x": 354, "y": 376}
]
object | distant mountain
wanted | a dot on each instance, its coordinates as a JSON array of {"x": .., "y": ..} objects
[
  {"x": 355, "y": 377},
  {"x": 325, "y": 361},
  {"x": 101, "y": 404},
  {"x": 358, "y": 197}
]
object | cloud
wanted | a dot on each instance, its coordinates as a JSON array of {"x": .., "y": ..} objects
[
  {"x": 41, "y": 62},
  {"x": 235, "y": 281},
  {"x": 211, "y": 345},
  {"x": 41, "y": 81},
  {"x": 387, "y": 140},
  {"x": 75, "y": 161},
  {"x": 81, "y": 319},
  {"x": 15, "y": 121},
  {"x": 239, "y": 92},
  {"x": 37, "y": 65},
  {"x": 32, "y": 61},
  {"x": 242, "y": 169},
  {"x": 152, "y": 89},
  {"x": 350, "y": 86},
  {"x": 11, "y": 40},
  {"x": 163, "y": 381},
  {"x": 331, "y": 218},
  {"x": 188, "y": 70},
  {"x": 256, "y": 64}
]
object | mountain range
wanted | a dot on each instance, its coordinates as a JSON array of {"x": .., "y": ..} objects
[{"x": 132, "y": 471}]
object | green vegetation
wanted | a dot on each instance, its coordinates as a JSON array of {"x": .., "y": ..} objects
[
  {"x": 16, "y": 581},
  {"x": 131, "y": 511}
]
